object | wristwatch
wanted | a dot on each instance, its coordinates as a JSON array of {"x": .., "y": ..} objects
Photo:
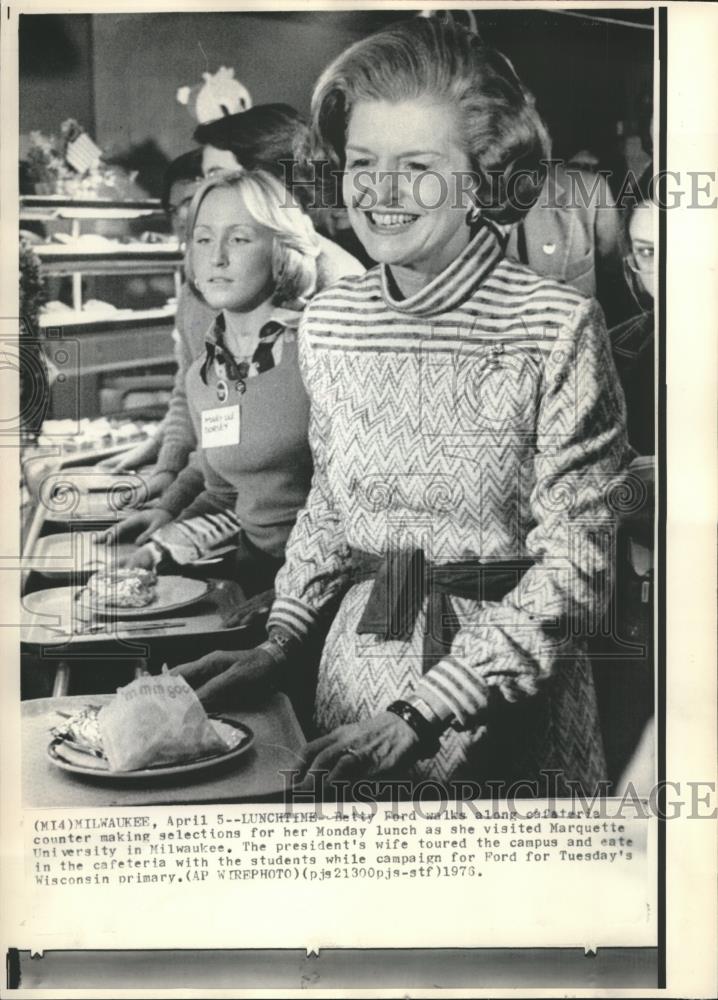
[
  {"x": 427, "y": 732},
  {"x": 278, "y": 644}
]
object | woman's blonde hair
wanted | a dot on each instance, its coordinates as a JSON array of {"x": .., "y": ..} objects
[
  {"x": 296, "y": 245},
  {"x": 503, "y": 135}
]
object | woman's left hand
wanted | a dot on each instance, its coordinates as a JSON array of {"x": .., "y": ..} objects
[
  {"x": 142, "y": 558},
  {"x": 379, "y": 745},
  {"x": 251, "y": 612}
]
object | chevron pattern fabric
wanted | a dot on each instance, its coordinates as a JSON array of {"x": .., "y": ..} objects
[{"x": 483, "y": 419}]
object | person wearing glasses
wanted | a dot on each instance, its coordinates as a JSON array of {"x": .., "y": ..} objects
[
  {"x": 624, "y": 680},
  {"x": 183, "y": 177},
  {"x": 633, "y": 340}
]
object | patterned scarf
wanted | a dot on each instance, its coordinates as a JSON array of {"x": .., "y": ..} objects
[{"x": 239, "y": 371}]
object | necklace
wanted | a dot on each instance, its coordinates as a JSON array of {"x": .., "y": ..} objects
[{"x": 238, "y": 370}]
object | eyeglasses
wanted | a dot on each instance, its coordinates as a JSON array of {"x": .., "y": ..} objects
[
  {"x": 174, "y": 210},
  {"x": 174, "y": 207},
  {"x": 640, "y": 260}
]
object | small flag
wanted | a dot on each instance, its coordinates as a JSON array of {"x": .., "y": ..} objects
[{"x": 82, "y": 154}]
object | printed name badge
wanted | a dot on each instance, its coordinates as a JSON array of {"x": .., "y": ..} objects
[{"x": 220, "y": 426}]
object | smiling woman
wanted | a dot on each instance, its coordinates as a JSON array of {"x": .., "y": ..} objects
[
  {"x": 466, "y": 428},
  {"x": 404, "y": 165}
]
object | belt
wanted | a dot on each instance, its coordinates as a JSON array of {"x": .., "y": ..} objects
[{"x": 404, "y": 578}]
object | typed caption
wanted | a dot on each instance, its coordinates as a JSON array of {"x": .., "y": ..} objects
[{"x": 238, "y": 845}]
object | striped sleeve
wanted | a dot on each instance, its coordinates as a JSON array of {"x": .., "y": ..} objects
[
  {"x": 195, "y": 538},
  {"x": 317, "y": 555},
  {"x": 512, "y": 647}
]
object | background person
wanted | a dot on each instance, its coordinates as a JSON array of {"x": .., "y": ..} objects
[
  {"x": 573, "y": 233},
  {"x": 633, "y": 341},
  {"x": 625, "y": 677}
]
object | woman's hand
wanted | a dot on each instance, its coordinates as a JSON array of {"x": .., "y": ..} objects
[
  {"x": 379, "y": 745},
  {"x": 126, "y": 461},
  {"x": 142, "y": 558},
  {"x": 138, "y": 527},
  {"x": 251, "y": 611},
  {"x": 158, "y": 483},
  {"x": 229, "y": 677},
  {"x": 151, "y": 488}
]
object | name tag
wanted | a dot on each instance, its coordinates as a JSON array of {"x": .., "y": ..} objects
[{"x": 220, "y": 427}]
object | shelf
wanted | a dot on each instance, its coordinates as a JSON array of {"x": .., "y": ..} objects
[
  {"x": 122, "y": 251},
  {"x": 63, "y": 201},
  {"x": 140, "y": 251},
  {"x": 89, "y": 321},
  {"x": 113, "y": 263},
  {"x": 95, "y": 343},
  {"x": 101, "y": 351},
  {"x": 50, "y": 214}
]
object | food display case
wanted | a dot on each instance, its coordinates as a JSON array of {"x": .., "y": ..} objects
[{"x": 101, "y": 340}]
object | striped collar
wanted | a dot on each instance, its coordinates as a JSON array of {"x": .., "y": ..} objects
[{"x": 457, "y": 282}]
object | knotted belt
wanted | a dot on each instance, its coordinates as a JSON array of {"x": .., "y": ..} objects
[{"x": 404, "y": 578}]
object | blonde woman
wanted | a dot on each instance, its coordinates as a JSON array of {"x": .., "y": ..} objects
[{"x": 252, "y": 255}]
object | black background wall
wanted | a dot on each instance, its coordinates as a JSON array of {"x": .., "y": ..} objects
[{"x": 118, "y": 73}]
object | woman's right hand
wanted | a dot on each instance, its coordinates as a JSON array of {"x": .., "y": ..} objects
[
  {"x": 138, "y": 527},
  {"x": 141, "y": 454},
  {"x": 227, "y": 678}
]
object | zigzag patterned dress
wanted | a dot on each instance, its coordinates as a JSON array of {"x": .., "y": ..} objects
[{"x": 480, "y": 418}]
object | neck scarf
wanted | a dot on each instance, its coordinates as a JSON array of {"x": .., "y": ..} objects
[{"x": 238, "y": 371}]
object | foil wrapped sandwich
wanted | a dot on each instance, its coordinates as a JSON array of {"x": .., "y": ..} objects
[{"x": 153, "y": 721}]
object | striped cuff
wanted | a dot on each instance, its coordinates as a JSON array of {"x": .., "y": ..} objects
[
  {"x": 451, "y": 688},
  {"x": 292, "y": 616},
  {"x": 433, "y": 709}
]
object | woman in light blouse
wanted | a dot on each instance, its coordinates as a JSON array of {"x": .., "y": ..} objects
[{"x": 466, "y": 428}]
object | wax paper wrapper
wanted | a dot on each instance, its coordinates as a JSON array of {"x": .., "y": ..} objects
[{"x": 156, "y": 720}]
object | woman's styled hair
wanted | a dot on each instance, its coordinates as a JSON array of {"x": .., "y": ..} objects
[
  {"x": 503, "y": 135},
  {"x": 296, "y": 245}
]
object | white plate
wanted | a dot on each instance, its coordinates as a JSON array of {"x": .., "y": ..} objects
[
  {"x": 53, "y": 554},
  {"x": 63, "y": 755},
  {"x": 173, "y": 592}
]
